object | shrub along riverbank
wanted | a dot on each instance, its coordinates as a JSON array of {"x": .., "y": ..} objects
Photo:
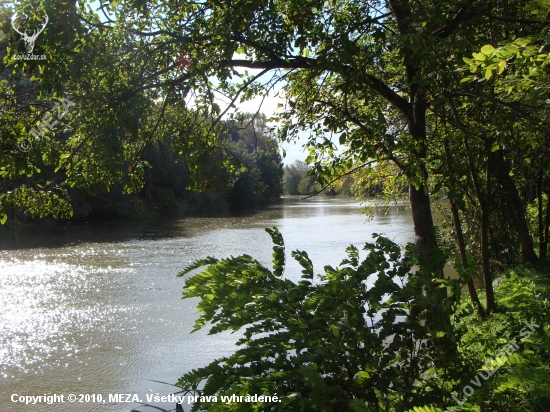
[
  {"x": 366, "y": 337},
  {"x": 506, "y": 357}
]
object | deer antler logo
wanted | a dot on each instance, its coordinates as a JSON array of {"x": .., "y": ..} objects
[{"x": 29, "y": 40}]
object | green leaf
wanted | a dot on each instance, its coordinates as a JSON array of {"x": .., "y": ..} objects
[
  {"x": 361, "y": 376},
  {"x": 522, "y": 41},
  {"x": 487, "y": 49},
  {"x": 426, "y": 409},
  {"x": 479, "y": 56},
  {"x": 501, "y": 66},
  {"x": 511, "y": 48}
]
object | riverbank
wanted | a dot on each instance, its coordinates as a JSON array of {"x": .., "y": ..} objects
[
  {"x": 506, "y": 356},
  {"x": 132, "y": 208}
]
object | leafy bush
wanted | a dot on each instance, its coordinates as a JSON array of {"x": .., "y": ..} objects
[
  {"x": 522, "y": 379},
  {"x": 361, "y": 337},
  {"x": 356, "y": 338}
]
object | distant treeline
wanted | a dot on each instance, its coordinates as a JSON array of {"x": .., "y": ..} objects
[
  {"x": 298, "y": 180},
  {"x": 245, "y": 171}
]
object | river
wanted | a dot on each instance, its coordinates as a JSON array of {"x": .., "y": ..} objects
[{"x": 96, "y": 308}]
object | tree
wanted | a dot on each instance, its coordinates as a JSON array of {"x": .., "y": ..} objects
[
  {"x": 335, "y": 57},
  {"x": 259, "y": 182},
  {"x": 372, "y": 74},
  {"x": 100, "y": 144},
  {"x": 294, "y": 173},
  {"x": 379, "y": 76},
  {"x": 516, "y": 68}
]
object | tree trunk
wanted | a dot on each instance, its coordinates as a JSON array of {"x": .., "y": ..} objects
[
  {"x": 460, "y": 235},
  {"x": 546, "y": 228},
  {"x": 484, "y": 203},
  {"x": 437, "y": 319},
  {"x": 419, "y": 197},
  {"x": 543, "y": 220},
  {"x": 540, "y": 215},
  {"x": 422, "y": 220},
  {"x": 485, "y": 210},
  {"x": 462, "y": 249},
  {"x": 507, "y": 183}
]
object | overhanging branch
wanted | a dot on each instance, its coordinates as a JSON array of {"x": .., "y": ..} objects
[{"x": 355, "y": 169}]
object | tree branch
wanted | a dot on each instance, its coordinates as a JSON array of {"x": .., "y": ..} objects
[
  {"x": 445, "y": 31},
  {"x": 355, "y": 169}
]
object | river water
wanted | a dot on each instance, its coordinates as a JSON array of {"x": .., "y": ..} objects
[{"x": 96, "y": 308}]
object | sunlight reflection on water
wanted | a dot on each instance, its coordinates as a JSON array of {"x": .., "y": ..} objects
[{"x": 97, "y": 308}]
